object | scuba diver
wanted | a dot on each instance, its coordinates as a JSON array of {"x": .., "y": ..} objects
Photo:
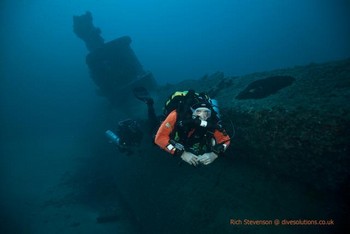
[
  {"x": 192, "y": 130},
  {"x": 129, "y": 135}
]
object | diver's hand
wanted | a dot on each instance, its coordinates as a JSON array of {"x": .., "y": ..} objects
[
  {"x": 190, "y": 158},
  {"x": 207, "y": 158}
]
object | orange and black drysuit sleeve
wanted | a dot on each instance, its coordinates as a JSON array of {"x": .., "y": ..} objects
[
  {"x": 162, "y": 138},
  {"x": 222, "y": 138}
]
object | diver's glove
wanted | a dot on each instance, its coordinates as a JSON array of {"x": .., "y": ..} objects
[
  {"x": 207, "y": 158},
  {"x": 190, "y": 158}
]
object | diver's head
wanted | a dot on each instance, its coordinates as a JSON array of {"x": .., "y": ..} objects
[
  {"x": 202, "y": 112},
  {"x": 129, "y": 125},
  {"x": 201, "y": 108}
]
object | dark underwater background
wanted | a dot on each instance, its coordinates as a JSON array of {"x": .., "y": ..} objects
[{"x": 60, "y": 175}]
